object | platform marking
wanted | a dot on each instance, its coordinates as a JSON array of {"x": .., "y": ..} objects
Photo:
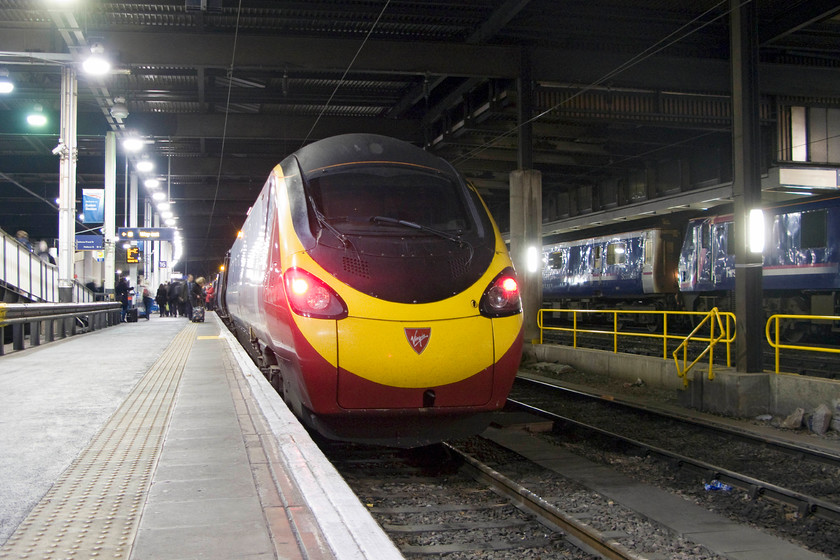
[{"x": 94, "y": 508}]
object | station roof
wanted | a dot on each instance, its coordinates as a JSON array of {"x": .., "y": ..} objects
[{"x": 223, "y": 90}]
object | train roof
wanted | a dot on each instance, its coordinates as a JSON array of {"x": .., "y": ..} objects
[
  {"x": 347, "y": 149},
  {"x": 828, "y": 201},
  {"x": 624, "y": 235}
]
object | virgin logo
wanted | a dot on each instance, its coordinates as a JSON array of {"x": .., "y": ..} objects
[{"x": 418, "y": 338}]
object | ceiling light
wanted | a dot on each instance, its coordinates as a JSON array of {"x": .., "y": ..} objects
[
  {"x": 163, "y": 206},
  {"x": 119, "y": 109},
  {"x": 96, "y": 64},
  {"x": 159, "y": 196},
  {"x": 37, "y": 116},
  {"x": 145, "y": 165},
  {"x": 151, "y": 183},
  {"x": 132, "y": 144},
  {"x": 6, "y": 84},
  {"x": 166, "y": 215},
  {"x": 170, "y": 221}
]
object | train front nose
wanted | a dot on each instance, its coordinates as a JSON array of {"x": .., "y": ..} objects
[{"x": 434, "y": 364}]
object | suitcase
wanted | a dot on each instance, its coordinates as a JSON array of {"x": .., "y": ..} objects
[
  {"x": 131, "y": 315},
  {"x": 198, "y": 315}
]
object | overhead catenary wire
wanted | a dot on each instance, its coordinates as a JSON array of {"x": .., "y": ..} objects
[
  {"x": 225, "y": 125},
  {"x": 346, "y": 71}
]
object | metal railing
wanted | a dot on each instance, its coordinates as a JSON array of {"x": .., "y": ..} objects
[
  {"x": 726, "y": 336},
  {"x": 31, "y": 276},
  {"x": 773, "y": 333},
  {"x": 53, "y": 320},
  {"x": 616, "y": 331}
]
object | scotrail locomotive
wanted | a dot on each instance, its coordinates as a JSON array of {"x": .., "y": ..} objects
[
  {"x": 695, "y": 271},
  {"x": 372, "y": 285}
]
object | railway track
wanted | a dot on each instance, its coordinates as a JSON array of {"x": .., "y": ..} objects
[
  {"x": 441, "y": 500},
  {"x": 752, "y": 467}
]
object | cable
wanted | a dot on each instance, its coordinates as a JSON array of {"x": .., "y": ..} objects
[
  {"x": 224, "y": 126},
  {"x": 346, "y": 71}
]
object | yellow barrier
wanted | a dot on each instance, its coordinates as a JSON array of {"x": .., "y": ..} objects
[
  {"x": 727, "y": 328},
  {"x": 774, "y": 342},
  {"x": 713, "y": 318}
]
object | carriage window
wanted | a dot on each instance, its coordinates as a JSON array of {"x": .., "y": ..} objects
[
  {"x": 813, "y": 230},
  {"x": 722, "y": 237},
  {"x": 555, "y": 260},
  {"x": 649, "y": 251},
  {"x": 616, "y": 253}
]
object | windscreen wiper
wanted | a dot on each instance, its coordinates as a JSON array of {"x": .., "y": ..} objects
[{"x": 415, "y": 225}]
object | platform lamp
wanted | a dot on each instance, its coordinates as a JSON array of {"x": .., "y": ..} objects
[
  {"x": 6, "y": 83},
  {"x": 755, "y": 231},
  {"x": 37, "y": 117}
]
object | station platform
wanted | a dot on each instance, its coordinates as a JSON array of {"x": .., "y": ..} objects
[{"x": 162, "y": 440}]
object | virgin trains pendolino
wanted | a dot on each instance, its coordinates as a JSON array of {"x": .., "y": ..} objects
[{"x": 373, "y": 287}]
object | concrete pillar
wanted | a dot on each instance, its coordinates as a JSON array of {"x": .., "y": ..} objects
[
  {"x": 110, "y": 211},
  {"x": 67, "y": 185},
  {"x": 746, "y": 187},
  {"x": 526, "y": 243},
  {"x": 132, "y": 222}
]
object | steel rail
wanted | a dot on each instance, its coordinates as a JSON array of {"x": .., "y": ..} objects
[
  {"x": 788, "y": 447},
  {"x": 547, "y": 513},
  {"x": 755, "y": 487}
]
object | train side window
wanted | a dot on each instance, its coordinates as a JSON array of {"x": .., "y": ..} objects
[
  {"x": 596, "y": 254},
  {"x": 649, "y": 251},
  {"x": 556, "y": 260},
  {"x": 813, "y": 230},
  {"x": 616, "y": 253}
]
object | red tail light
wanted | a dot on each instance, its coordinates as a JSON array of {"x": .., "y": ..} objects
[
  {"x": 501, "y": 298},
  {"x": 309, "y": 296}
]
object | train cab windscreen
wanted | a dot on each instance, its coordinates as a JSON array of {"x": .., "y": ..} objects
[{"x": 351, "y": 200}]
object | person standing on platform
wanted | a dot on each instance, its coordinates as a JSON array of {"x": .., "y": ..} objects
[
  {"x": 23, "y": 238},
  {"x": 44, "y": 252},
  {"x": 186, "y": 297},
  {"x": 209, "y": 294},
  {"x": 172, "y": 296},
  {"x": 121, "y": 293},
  {"x": 161, "y": 299},
  {"x": 147, "y": 300}
]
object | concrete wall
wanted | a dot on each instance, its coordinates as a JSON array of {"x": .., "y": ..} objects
[{"x": 730, "y": 393}]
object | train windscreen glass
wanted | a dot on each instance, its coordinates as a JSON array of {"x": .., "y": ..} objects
[{"x": 349, "y": 200}]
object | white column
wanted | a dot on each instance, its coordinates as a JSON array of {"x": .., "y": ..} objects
[
  {"x": 110, "y": 210},
  {"x": 67, "y": 185},
  {"x": 526, "y": 243}
]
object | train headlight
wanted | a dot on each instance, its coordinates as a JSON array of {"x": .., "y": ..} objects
[
  {"x": 501, "y": 298},
  {"x": 310, "y": 296}
]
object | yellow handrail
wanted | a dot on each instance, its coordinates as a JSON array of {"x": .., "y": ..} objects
[
  {"x": 713, "y": 317},
  {"x": 774, "y": 321},
  {"x": 727, "y": 328}
]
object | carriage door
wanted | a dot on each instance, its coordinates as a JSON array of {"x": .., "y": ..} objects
[
  {"x": 649, "y": 256},
  {"x": 704, "y": 255}
]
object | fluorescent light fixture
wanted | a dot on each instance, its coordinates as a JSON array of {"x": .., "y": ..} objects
[
  {"x": 170, "y": 221},
  {"x": 755, "y": 231},
  {"x": 132, "y": 144},
  {"x": 164, "y": 206},
  {"x": 151, "y": 183},
  {"x": 159, "y": 196},
  {"x": 96, "y": 64},
  {"x": 6, "y": 84},
  {"x": 37, "y": 116},
  {"x": 166, "y": 215},
  {"x": 145, "y": 165},
  {"x": 532, "y": 259}
]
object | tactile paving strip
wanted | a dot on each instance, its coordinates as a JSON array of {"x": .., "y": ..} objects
[{"x": 94, "y": 508}]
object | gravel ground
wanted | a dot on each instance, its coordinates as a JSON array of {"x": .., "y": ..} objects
[{"x": 780, "y": 520}]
